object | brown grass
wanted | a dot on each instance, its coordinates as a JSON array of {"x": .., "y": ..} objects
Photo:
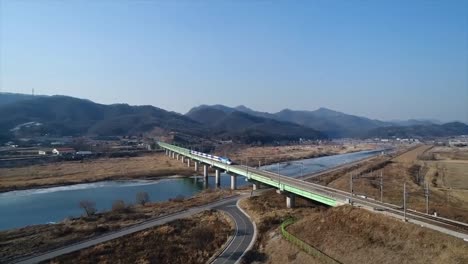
[
  {"x": 40, "y": 238},
  {"x": 72, "y": 172},
  {"x": 191, "y": 240},
  {"x": 350, "y": 235},
  {"x": 353, "y": 235},
  {"x": 269, "y": 211},
  {"x": 447, "y": 180}
]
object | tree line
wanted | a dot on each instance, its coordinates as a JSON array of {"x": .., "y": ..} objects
[{"x": 89, "y": 207}]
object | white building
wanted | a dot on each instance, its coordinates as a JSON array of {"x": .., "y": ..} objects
[{"x": 63, "y": 151}]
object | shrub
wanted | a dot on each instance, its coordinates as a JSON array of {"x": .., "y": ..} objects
[
  {"x": 142, "y": 198},
  {"x": 89, "y": 207},
  {"x": 118, "y": 206}
]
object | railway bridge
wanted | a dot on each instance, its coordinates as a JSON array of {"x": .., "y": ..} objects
[{"x": 286, "y": 185}]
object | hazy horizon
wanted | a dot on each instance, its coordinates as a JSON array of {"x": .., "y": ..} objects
[{"x": 386, "y": 61}]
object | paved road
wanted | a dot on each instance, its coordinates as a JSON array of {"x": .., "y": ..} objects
[
  {"x": 240, "y": 242},
  {"x": 243, "y": 235}
]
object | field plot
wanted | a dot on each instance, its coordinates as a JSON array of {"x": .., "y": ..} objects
[{"x": 72, "y": 172}]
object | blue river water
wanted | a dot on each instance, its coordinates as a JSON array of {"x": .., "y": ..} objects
[{"x": 40, "y": 206}]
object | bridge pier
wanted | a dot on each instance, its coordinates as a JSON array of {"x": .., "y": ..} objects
[
  {"x": 205, "y": 172},
  {"x": 177, "y": 156},
  {"x": 196, "y": 165},
  {"x": 183, "y": 159},
  {"x": 188, "y": 163},
  {"x": 256, "y": 185},
  {"x": 167, "y": 152},
  {"x": 217, "y": 178},
  {"x": 233, "y": 182},
  {"x": 290, "y": 200},
  {"x": 173, "y": 154}
]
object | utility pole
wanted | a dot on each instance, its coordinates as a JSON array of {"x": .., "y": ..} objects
[
  {"x": 404, "y": 201},
  {"x": 417, "y": 177},
  {"x": 427, "y": 198},
  {"x": 279, "y": 179},
  {"x": 381, "y": 187},
  {"x": 351, "y": 186}
]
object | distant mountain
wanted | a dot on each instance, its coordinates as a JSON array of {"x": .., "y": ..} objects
[
  {"x": 68, "y": 116},
  {"x": 420, "y": 131},
  {"x": 7, "y": 98},
  {"x": 332, "y": 123},
  {"x": 222, "y": 108},
  {"x": 413, "y": 122},
  {"x": 337, "y": 125},
  {"x": 249, "y": 111},
  {"x": 227, "y": 122},
  {"x": 29, "y": 116}
]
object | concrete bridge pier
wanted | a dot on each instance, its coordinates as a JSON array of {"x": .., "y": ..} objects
[
  {"x": 256, "y": 185},
  {"x": 217, "y": 178},
  {"x": 233, "y": 182},
  {"x": 183, "y": 159},
  {"x": 196, "y": 165},
  {"x": 290, "y": 200},
  {"x": 173, "y": 154},
  {"x": 188, "y": 163},
  {"x": 205, "y": 173},
  {"x": 177, "y": 156}
]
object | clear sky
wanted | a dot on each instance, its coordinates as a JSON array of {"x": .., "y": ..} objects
[{"x": 381, "y": 59}]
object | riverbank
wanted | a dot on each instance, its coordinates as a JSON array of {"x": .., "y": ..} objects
[
  {"x": 149, "y": 167},
  {"x": 30, "y": 240}
]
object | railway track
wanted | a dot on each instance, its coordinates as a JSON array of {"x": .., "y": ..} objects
[{"x": 377, "y": 205}]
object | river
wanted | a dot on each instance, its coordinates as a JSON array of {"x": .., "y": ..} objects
[{"x": 40, "y": 206}]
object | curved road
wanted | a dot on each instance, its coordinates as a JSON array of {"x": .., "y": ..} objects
[
  {"x": 233, "y": 252},
  {"x": 244, "y": 234}
]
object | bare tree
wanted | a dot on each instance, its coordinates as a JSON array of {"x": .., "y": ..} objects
[
  {"x": 142, "y": 198},
  {"x": 88, "y": 206},
  {"x": 118, "y": 205}
]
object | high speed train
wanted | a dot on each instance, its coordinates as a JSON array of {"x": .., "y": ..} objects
[{"x": 212, "y": 157}]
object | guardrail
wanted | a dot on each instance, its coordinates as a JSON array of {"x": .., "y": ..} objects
[{"x": 303, "y": 245}]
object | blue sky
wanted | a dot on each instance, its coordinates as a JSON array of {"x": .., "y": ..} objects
[{"x": 381, "y": 59}]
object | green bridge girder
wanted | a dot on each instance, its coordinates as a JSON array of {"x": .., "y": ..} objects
[{"x": 250, "y": 174}]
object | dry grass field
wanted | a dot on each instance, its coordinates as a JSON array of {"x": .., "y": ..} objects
[
  {"x": 269, "y": 211},
  {"x": 447, "y": 178},
  {"x": 353, "y": 235},
  {"x": 39, "y": 238},
  {"x": 191, "y": 240},
  {"x": 349, "y": 235},
  {"x": 72, "y": 172}
]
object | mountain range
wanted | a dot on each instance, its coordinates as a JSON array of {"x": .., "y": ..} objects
[{"x": 68, "y": 116}]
